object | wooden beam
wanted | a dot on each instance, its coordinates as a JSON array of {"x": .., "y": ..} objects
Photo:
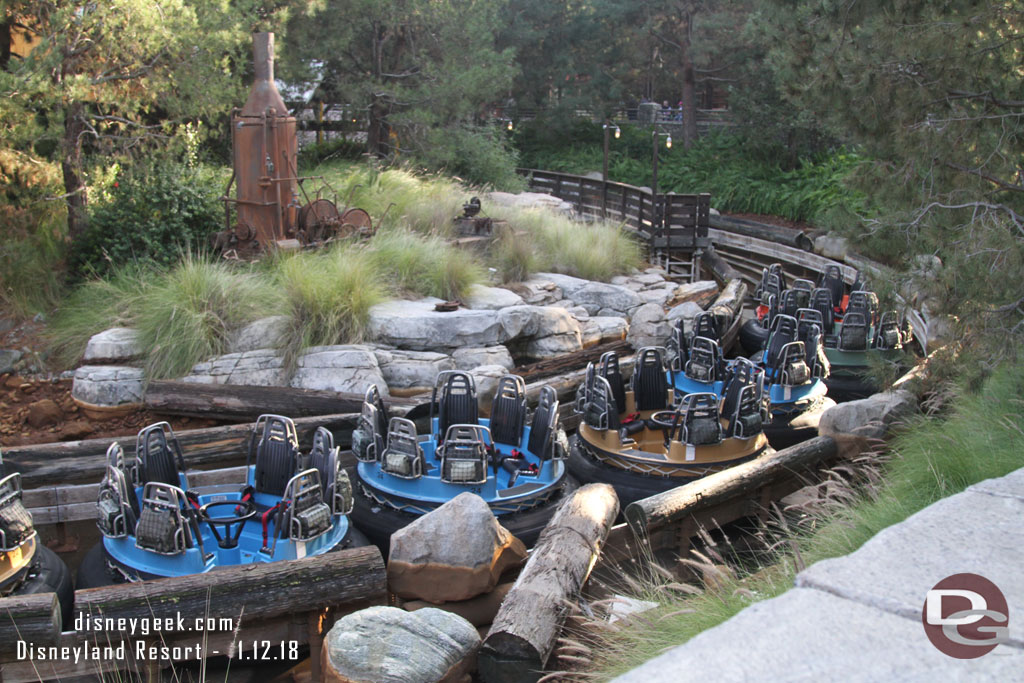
[
  {"x": 29, "y": 618},
  {"x": 243, "y": 402},
  {"x": 674, "y": 505},
  {"x": 570, "y": 361},
  {"x": 772, "y": 233},
  {"x": 525, "y": 629},
  {"x": 720, "y": 270},
  {"x": 250, "y": 591}
]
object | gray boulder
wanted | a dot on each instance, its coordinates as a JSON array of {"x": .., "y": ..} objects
[
  {"x": 566, "y": 283},
  {"x": 265, "y": 333},
  {"x": 262, "y": 368},
  {"x": 537, "y": 291},
  {"x": 657, "y": 295},
  {"x": 454, "y": 552},
  {"x": 869, "y": 417},
  {"x": 490, "y": 298},
  {"x": 417, "y": 326},
  {"x": 648, "y": 327},
  {"x": 831, "y": 246},
  {"x": 117, "y": 343},
  {"x": 536, "y": 321},
  {"x": 391, "y": 645},
  {"x": 411, "y": 369},
  {"x": 467, "y": 359},
  {"x": 602, "y": 329},
  {"x": 687, "y": 310},
  {"x": 108, "y": 385},
  {"x": 595, "y": 296},
  {"x": 338, "y": 368},
  {"x": 553, "y": 345}
]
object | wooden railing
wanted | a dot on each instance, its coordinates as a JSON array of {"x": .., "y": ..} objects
[{"x": 677, "y": 221}]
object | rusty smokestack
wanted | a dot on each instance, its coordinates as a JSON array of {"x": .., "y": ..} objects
[{"x": 264, "y": 92}]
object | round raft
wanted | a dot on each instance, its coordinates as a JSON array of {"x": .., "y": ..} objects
[
  {"x": 517, "y": 466},
  {"x": 289, "y": 507}
]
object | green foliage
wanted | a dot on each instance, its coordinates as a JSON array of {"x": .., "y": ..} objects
[
  {"x": 423, "y": 265},
  {"x": 338, "y": 148},
  {"x": 328, "y": 296},
  {"x": 935, "y": 458},
  {"x": 151, "y": 214},
  {"x": 478, "y": 155}
]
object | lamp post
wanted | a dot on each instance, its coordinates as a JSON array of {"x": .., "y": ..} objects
[
  {"x": 655, "y": 134},
  {"x": 604, "y": 168}
]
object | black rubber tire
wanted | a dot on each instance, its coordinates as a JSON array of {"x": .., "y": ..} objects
[
  {"x": 629, "y": 486},
  {"x": 93, "y": 571},
  {"x": 781, "y": 434},
  {"x": 49, "y": 574},
  {"x": 378, "y": 526},
  {"x": 753, "y": 336},
  {"x": 847, "y": 388},
  {"x": 354, "y": 538}
]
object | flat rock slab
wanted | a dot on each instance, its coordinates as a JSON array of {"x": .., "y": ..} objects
[
  {"x": 117, "y": 343},
  {"x": 871, "y": 416},
  {"x": 467, "y": 359},
  {"x": 972, "y": 532},
  {"x": 390, "y": 645},
  {"x": 481, "y": 298},
  {"x": 417, "y": 326},
  {"x": 807, "y": 635}
]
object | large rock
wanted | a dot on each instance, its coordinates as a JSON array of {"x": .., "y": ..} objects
[
  {"x": 265, "y": 333},
  {"x": 349, "y": 368},
  {"x": 568, "y": 284},
  {"x": 490, "y": 298},
  {"x": 531, "y": 200},
  {"x": 467, "y": 359},
  {"x": 455, "y": 552},
  {"x": 536, "y": 321},
  {"x": 657, "y": 295},
  {"x": 687, "y": 310},
  {"x": 108, "y": 385},
  {"x": 831, "y": 246},
  {"x": 595, "y": 296},
  {"x": 262, "y": 368},
  {"x": 603, "y": 329},
  {"x": 648, "y": 327},
  {"x": 391, "y": 645},
  {"x": 540, "y": 348},
  {"x": 417, "y": 326},
  {"x": 537, "y": 291},
  {"x": 869, "y": 417},
  {"x": 117, "y": 343},
  {"x": 411, "y": 369}
]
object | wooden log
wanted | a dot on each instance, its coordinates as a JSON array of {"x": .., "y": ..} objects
[
  {"x": 524, "y": 631},
  {"x": 254, "y": 591},
  {"x": 773, "y": 233},
  {"x": 726, "y": 309},
  {"x": 30, "y": 618},
  {"x": 676, "y": 504},
  {"x": 238, "y": 402},
  {"x": 720, "y": 270},
  {"x": 570, "y": 361},
  {"x": 83, "y": 461}
]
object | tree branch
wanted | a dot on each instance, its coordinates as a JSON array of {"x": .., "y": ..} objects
[{"x": 985, "y": 176}]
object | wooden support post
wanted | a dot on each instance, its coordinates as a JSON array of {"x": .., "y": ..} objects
[
  {"x": 29, "y": 618},
  {"x": 316, "y": 646},
  {"x": 744, "y": 479},
  {"x": 720, "y": 270},
  {"x": 524, "y": 631}
]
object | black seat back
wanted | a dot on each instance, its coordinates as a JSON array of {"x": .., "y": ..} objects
[
  {"x": 854, "y": 334},
  {"x": 608, "y": 367},
  {"x": 162, "y": 527},
  {"x": 650, "y": 380},
  {"x": 508, "y": 411},
  {"x": 464, "y": 455},
  {"x": 705, "y": 364},
  {"x": 274, "y": 444},
  {"x": 158, "y": 455},
  {"x": 822, "y": 301},
  {"x": 697, "y": 418},
  {"x": 597, "y": 405},
  {"x": 323, "y": 444},
  {"x": 368, "y": 438},
  {"x": 678, "y": 347},
  {"x": 889, "y": 335},
  {"x": 864, "y": 302},
  {"x": 324, "y": 458},
  {"x": 545, "y": 424},
  {"x": 743, "y": 404},
  {"x": 15, "y": 519},
  {"x": 307, "y": 516},
  {"x": 455, "y": 397},
  {"x": 783, "y": 332},
  {"x": 705, "y": 325},
  {"x": 832, "y": 280}
]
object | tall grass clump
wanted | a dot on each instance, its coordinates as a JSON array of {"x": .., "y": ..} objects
[
  {"x": 931, "y": 458},
  {"x": 188, "y": 312},
  {"x": 424, "y": 265},
  {"x": 329, "y": 295}
]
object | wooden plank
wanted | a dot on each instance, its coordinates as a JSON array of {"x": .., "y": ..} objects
[{"x": 30, "y": 618}]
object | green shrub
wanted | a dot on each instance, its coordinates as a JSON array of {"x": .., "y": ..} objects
[
  {"x": 329, "y": 295},
  {"x": 478, "y": 155},
  {"x": 419, "y": 265},
  {"x": 337, "y": 148},
  {"x": 151, "y": 215}
]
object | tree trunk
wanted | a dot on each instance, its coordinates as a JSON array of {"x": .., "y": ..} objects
[
  {"x": 689, "y": 89},
  {"x": 71, "y": 167}
]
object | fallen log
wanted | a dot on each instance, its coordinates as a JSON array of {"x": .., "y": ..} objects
[
  {"x": 720, "y": 270},
  {"x": 726, "y": 309},
  {"x": 570, "y": 361},
  {"x": 243, "y": 402},
  {"x": 773, "y": 233},
  {"x": 250, "y": 592},
  {"x": 83, "y": 461},
  {"x": 30, "y": 618},
  {"x": 525, "y": 629},
  {"x": 669, "y": 507}
]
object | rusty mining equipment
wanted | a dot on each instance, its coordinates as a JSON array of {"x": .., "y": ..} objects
[{"x": 272, "y": 208}]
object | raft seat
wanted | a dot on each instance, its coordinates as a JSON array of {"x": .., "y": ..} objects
[
  {"x": 650, "y": 382},
  {"x": 15, "y": 519},
  {"x": 608, "y": 367},
  {"x": 117, "y": 508},
  {"x": 158, "y": 456},
  {"x": 324, "y": 457},
  {"x": 276, "y": 453},
  {"x": 464, "y": 454},
  {"x": 403, "y": 456},
  {"x": 161, "y": 527},
  {"x": 508, "y": 410},
  {"x": 308, "y": 516},
  {"x": 545, "y": 424},
  {"x": 457, "y": 401},
  {"x": 854, "y": 334},
  {"x": 699, "y": 423},
  {"x": 368, "y": 436},
  {"x": 705, "y": 364}
]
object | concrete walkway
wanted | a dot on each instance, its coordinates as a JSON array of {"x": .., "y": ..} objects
[{"x": 858, "y": 617}]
